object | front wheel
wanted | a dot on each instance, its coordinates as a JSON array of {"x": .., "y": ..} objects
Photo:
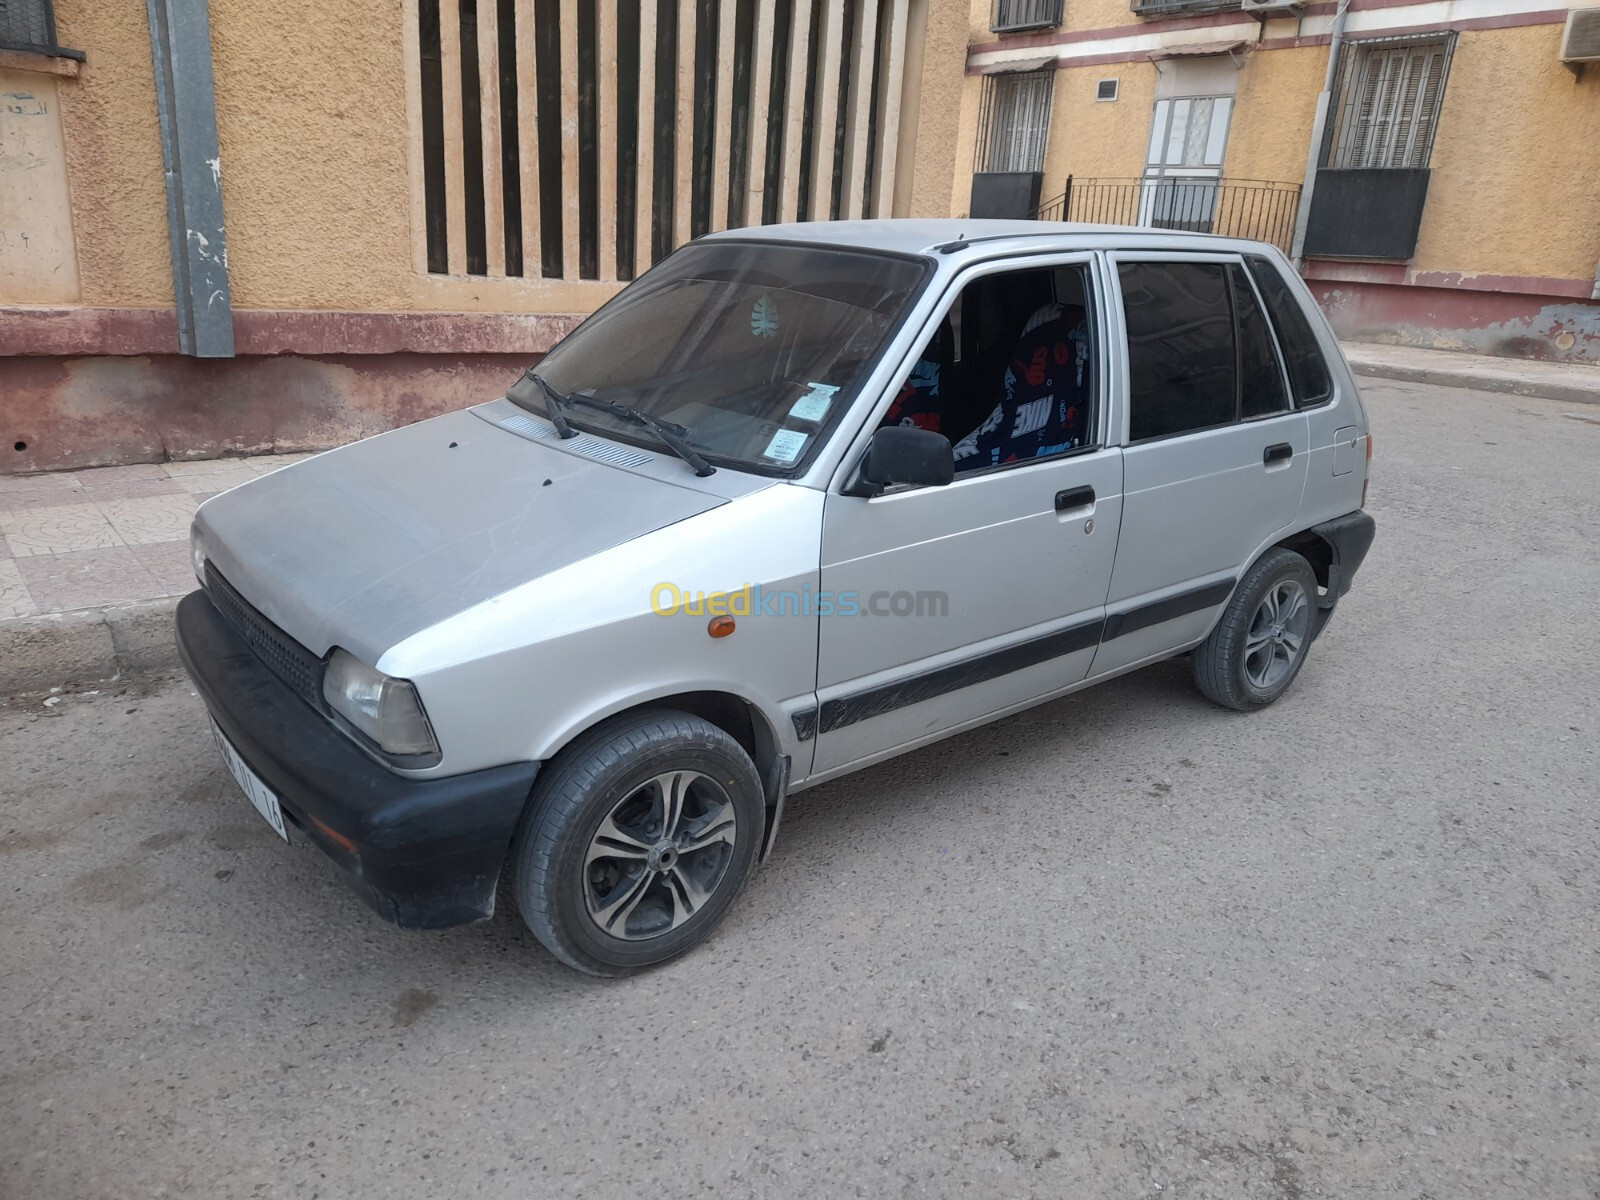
[
  {"x": 1260, "y": 644},
  {"x": 638, "y": 838}
]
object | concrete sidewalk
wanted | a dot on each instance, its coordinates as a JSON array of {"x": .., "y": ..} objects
[
  {"x": 1479, "y": 372},
  {"x": 92, "y": 563}
]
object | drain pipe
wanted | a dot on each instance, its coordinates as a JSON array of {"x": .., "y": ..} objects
[{"x": 1318, "y": 132}]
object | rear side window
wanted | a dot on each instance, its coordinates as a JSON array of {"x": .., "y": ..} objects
[
  {"x": 1308, "y": 373},
  {"x": 1182, "y": 357},
  {"x": 1261, "y": 390}
]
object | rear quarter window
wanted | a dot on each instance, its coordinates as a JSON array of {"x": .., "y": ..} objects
[{"x": 1308, "y": 371}]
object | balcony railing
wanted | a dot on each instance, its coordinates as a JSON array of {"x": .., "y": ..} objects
[{"x": 1247, "y": 208}]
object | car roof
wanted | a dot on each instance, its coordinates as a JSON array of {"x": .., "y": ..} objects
[{"x": 925, "y": 236}]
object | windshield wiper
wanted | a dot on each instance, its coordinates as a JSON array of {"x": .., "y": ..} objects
[
  {"x": 672, "y": 435},
  {"x": 554, "y": 401}
]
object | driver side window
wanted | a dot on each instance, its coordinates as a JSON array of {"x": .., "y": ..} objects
[{"x": 1010, "y": 373}]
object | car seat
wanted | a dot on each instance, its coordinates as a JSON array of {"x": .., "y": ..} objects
[{"x": 1045, "y": 406}]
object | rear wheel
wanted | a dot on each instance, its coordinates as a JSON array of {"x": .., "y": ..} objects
[
  {"x": 1260, "y": 644},
  {"x": 638, "y": 838}
]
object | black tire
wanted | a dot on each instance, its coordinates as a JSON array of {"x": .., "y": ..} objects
[
  {"x": 612, "y": 773},
  {"x": 1237, "y": 669}
]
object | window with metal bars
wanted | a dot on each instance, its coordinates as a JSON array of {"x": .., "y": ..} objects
[
  {"x": 1014, "y": 122},
  {"x": 27, "y": 25},
  {"x": 1390, "y": 94},
  {"x": 1013, "y": 15}
]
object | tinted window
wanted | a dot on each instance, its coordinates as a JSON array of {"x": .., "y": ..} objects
[
  {"x": 1180, "y": 347},
  {"x": 1308, "y": 373},
  {"x": 1260, "y": 380}
]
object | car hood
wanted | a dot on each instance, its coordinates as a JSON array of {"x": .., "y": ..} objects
[{"x": 366, "y": 545}]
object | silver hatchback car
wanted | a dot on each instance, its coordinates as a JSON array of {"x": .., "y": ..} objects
[{"x": 799, "y": 499}]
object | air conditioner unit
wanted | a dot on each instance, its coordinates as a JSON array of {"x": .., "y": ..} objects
[
  {"x": 1580, "y": 42},
  {"x": 1273, "y": 8}
]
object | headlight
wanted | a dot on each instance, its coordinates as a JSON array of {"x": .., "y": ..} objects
[
  {"x": 197, "y": 554},
  {"x": 387, "y": 710}
]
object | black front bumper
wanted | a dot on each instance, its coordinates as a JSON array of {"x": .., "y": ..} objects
[{"x": 425, "y": 853}]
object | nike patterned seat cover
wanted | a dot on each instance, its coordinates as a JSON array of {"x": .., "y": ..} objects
[{"x": 1045, "y": 409}]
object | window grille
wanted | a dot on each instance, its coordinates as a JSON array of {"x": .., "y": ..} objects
[
  {"x": 27, "y": 24},
  {"x": 1014, "y": 123},
  {"x": 1389, "y": 100},
  {"x": 1013, "y": 15}
]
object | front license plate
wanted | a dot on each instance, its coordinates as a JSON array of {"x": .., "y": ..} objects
[{"x": 260, "y": 795}]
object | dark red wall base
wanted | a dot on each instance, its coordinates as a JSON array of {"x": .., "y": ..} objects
[
  {"x": 1508, "y": 324},
  {"x": 60, "y": 413}
]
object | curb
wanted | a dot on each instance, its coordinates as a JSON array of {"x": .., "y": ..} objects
[
  {"x": 91, "y": 646},
  {"x": 1448, "y": 377}
]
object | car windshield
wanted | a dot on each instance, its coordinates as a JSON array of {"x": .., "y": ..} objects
[{"x": 750, "y": 351}]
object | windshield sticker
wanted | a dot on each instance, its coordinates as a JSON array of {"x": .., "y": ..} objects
[
  {"x": 764, "y": 317},
  {"x": 786, "y": 445},
  {"x": 813, "y": 406}
]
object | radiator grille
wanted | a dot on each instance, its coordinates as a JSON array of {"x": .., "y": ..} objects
[{"x": 285, "y": 657}]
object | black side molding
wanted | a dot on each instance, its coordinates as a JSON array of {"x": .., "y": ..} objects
[
  {"x": 874, "y": 702},
  {"x": 805, "y": 724},
  {"x": 1181, "y": 605}
]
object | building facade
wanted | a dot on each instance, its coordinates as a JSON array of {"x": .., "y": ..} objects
[
  {"x": 239, "y": 225},
  {"x": 1431, "y": 165},
  {"x": 252, "y": 224}
]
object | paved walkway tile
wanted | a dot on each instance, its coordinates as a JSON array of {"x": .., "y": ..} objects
[{"x": 115, "y": 535}]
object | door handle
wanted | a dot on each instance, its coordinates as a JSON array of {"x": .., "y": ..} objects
[
  {"x": 1078, "y": 497},
  {"x": 1278, "y": 452}
]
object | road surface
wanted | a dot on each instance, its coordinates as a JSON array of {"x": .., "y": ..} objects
[{"x": 1126, "y": 944}]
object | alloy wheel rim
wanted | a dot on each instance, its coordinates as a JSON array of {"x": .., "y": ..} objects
[
  {"x": 1277, "y": 634},
  {"x": 659, "y": 856}
]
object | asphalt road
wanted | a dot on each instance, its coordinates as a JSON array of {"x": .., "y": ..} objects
[{"x": 1125, "y": 944}]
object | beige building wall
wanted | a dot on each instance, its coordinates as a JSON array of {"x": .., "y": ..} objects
[
  {"x": 37, "y": 257},
  {"x": 1273, "y": 113},
  {"x": 1516, "y": 162},
  {"x": 113, "y": 150},
  {"x": 942, "y": 120},
  {"x": 317, "y": 138},
  {"x": 1099, "y": 139},
  {"x": 311, "y": 120}
]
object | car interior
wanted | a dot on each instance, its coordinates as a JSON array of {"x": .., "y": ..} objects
[{"x": 975, "y": 344}]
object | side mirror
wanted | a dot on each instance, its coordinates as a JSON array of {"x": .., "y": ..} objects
[{"x": 904, "y": 454}]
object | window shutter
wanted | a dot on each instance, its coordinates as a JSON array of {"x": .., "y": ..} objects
[
  {"x": 1428, "y": 116},
  {"x": 1391, "y": 104}
]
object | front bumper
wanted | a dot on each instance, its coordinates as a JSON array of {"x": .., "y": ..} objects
[{"x": 424, "y": 853}]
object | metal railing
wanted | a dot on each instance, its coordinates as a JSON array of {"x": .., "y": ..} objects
[
  {"x": 1010, "y": 15},
  {"x": 1247, "y": 208}
]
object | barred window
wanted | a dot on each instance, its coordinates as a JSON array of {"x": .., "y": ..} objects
[
  {"x": 1014, "y": 124},
  {"x": 1011, "y": 16},
  {"x": 27, "y": 25},
  {"x": 1390, "y": 94}
]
